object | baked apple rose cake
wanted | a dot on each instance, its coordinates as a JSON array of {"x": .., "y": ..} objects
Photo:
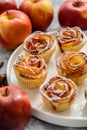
[
  {"x": 73, "y": 65},
  {"x": 31, "y": 71},
  {"x": 71, "y": 38},
  {"x": 40, "y": 43},
  {"x": 59, "y": 93}
]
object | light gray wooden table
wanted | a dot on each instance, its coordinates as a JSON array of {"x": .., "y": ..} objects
[{"x": 36, "y": 124}]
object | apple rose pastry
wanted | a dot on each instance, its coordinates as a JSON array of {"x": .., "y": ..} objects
[
  {"x": 73, "y": 65},
  {"x": 31, "y": 70},
  {"x": 71, "y": 39},
  {"x": 59, "y": 93},
  {"x": 40, "y": 44}
]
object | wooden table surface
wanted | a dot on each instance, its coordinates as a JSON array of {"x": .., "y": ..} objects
[{"x": 36, "y": 124}]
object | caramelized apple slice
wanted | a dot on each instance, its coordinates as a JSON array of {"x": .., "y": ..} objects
[
  {"x": 32, "y": 66},
  {"x": 59, "y": 93}
]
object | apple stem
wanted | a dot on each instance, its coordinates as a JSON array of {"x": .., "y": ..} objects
[
  {"x": 77, "y": 4},
  {"x": 35, "y": 1},
  {"x": 6, "y": 92},
  {"x": 8, "y": 14}
]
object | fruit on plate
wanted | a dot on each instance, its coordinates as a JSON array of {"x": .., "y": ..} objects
[
  {"x": 15, "y": 26},
  {"x": 15, "y": 108},
  {"x": 7, "y": 4},
  {"x": 73, "y": 13},
  {"x": 41, "y": 12}
]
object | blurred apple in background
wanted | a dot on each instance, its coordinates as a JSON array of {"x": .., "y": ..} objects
[
  {"x": 15, "y": 108},
  {"x": 7, "y": 4},
  {"x": 15, "y": 26},
  {"x": 40, "y": 12},
  {"x": 73, "y": 13}
]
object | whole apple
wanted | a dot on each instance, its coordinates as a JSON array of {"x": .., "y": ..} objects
[
  {"x": 73, "y": 13},
  {"x": 7, "y": 4},
  {"x": 15, "y": 108},
  {"x": 15, "y": 26},
  {"x": 40, "y": 12}
]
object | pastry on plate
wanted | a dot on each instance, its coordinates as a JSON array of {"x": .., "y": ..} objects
[
  {"x": 40, "y": 43},
  {"x": 71, "y": 39},
  {"x": 59, "y": 93},
  {"x": 73, "y": 65},
  {"x": 31, "y": 71}
]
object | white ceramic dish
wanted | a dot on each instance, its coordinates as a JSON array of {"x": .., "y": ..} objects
[{"x": 76, "y": 116}]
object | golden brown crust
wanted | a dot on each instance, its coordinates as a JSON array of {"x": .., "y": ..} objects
[{"x": 59, "y": 93}]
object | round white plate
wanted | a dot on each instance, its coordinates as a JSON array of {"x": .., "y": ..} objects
[{"x": 76, "y": 116}]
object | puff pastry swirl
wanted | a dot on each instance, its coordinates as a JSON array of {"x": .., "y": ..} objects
[
  {"x": 59, "y": 93},
  {"x": 73, "y": 65},
  {"x": 31, "y": 69},
  {"x": 71, "y": 39},
  {"x": 40, "y": 44}
]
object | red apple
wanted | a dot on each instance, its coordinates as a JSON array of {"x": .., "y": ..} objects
[
  {"x": 40, "y": 12},
  {"x": 73, "y": 13},
  {"x": 15, "y": 108},
  {"x": 7, "y": 4},
  {"x": 15, "y": 26}
]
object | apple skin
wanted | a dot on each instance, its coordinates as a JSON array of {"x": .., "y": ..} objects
[
  {"x": 15, "y": 26},
  {"x": 7, "y": 5},
  {"x": 15, "y": 108},
  {"x": 40, "y": 12},
  {"x": 73, "y": 13}
]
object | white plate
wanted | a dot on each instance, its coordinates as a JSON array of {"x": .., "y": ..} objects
[{"x": 76, "y": 116}]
